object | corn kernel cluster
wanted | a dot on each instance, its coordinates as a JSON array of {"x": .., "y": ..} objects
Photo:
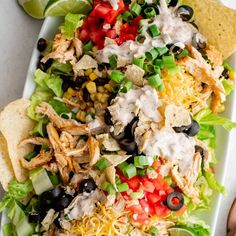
[{"x": 96, "y": 98}]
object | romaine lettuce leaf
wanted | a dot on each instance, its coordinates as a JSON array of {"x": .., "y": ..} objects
[
  {"x": 54, "y": 83},
  {"x": 58, "y": 68},
  {"x": 72, "y": 22},
  {"x": 228, "y": 86},
  {"x": 206, "y": 117},
  {"x": 59, "y": 107}
]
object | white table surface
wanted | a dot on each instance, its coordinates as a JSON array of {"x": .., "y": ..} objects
[{"x": 18, "y": 33}]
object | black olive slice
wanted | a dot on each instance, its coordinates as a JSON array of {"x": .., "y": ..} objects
[
  {"x": 107, "y": 117},
  {"x": 173, "y": 3},
  {"x": 201, "y": 150},
  {"x": 130, "y": 128},
  {"x": 175, "y": 201},
  {"x": 87, "y": 186},
  {"x": 129, "y": 146},
  {"x": 119, "y": 136},
  {"x": 185, "y": 12},
  {"x": 193, "y": 130}
]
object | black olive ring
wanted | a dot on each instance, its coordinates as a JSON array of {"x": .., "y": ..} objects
[{"x": 171, "y": 205}]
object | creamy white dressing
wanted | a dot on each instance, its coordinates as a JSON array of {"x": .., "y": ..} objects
[
  {"x": 127, "y": 105},
  {"x": 173, "y": 29},
  {"x": 175, "y": 147}
]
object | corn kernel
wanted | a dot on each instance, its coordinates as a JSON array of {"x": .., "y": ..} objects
[
  {"x": 101, "y": 89},
  {"x": 82, "y": 105},
  {"x": 88, "y": 71},
  {"x": 91, "y": 87},
  {"x": 104, "y": 98},
  {"x": 84, "y": 84},
  {"x": 93, "y": 97},
  {"x": 108, "y": 87},
  {"x": 81, "y": 115},
  {"x": 231, "y": 75},
  {"x": 71, "y": 91},
  {"x": 91, "y": 110},
  {"x": 93, "y": 76},
  {"x": 99, "y": 96},
  {"x": 66, "y": 95}
]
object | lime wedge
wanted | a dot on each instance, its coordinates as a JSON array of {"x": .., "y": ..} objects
[
  {"x": 180, "y": 232},
  {"x": 34, "y": 8},
  {"x": 62, "y": 7}
]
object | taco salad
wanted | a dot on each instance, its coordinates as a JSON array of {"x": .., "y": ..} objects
[{"x": 119, "y": 136}]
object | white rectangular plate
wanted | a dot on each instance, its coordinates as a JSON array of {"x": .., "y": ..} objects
[{"x": 50, "y": 28}]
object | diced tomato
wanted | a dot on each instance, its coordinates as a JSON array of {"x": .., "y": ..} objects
[
  {"x": 111, "y": 33},
  {"x": 161, "y": 210},
  {"x": 145, "y": 206},
  {"x": 84, "y": 35},
  {"x": 134, "y": 183},
  {"x": 181, "y": 211},
  {"x": 135, "y": 208},
  {"x": 158, "y": 182},
  {"x": 148, "y": 186},
  {"x": 101, "y": 10},
  {"x": 141, "y": 218},
  {"x": 153, "y": 198}
]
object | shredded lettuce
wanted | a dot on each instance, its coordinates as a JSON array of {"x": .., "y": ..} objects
[
  {"x": 54, "y": 82},
  {"x": 72, "y": 22},
  {"x": 59, "y": 107},
  {"x": 16, "y": 191},
  {"x": 228, "y": 86},
  {"x": 58, "y": 68},
  {"x": 206, "y": 117},
  {"x": 213, "y": 183}
]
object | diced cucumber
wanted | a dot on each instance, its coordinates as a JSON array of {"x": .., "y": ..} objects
[
  {"x": 40, "y": 180},
  {"x": 24, "y": 228}
]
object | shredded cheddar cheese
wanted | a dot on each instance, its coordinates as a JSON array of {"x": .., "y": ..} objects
[
  {"x": 181, "y": 89},
  {"x": 104, "y": 222}
]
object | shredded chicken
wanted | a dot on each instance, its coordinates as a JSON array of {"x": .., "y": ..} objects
[
  {"x": 62, "y": 50},
  {"x": 46, "y": 109},
  {"x": 41, "y": 159},
  {"x": 94, "y": 150},
  {"x": 35, "y": 141}
]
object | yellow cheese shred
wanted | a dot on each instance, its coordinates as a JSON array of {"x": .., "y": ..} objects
[
  {"x": 104, "y": 222},
  {"x": 181, "y": 89}
]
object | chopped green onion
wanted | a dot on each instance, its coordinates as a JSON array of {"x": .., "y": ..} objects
[
  {"x": 136, "y": 9},
  {"x": 118, "y": 180},
  {"x": 108, "y": 187},
  {"x": 169, "y": 61},
  {"x": 119, "y": 17},
  {"x": 173, "y": 70},
  {"x": 153, "y": 231},
  {"x": 227, "y": 66},
  {"x": 122, "y": 187},
  {"x": 140, "y": 38},
  {"x": 31, "y": 155},
  {"x": 159, "y": 62},
  {"x": 130, "y": 171},
  {"x": 102, "y": 164},
  {"x": 162, "y": 51},
  {"x": 136, "y": 195},
  {"x": 148, "y": 68},
  {"x": 122, "y": 166},
  {"x": 113, "y": 61},
  {"x": 87, "y": 47},
  {"x": 117, "y": 76},
  {"x": 160, "y": 86},
  {"x": 143, "y": 22},
  {"x": 153, "y": 31},
  {"x": 184, "y": 53},
  {"x": 151, "y": 55},
  {"x": 126, "y": 86},
  {"x": 54, "y": 178},
  {"x": 157, "y": 69},
  {"x": 141, "y": 2},
  {"x": 139, "y": 62},
  {"x": 127, "y": 16},
  {"x": 141, "y": 161},
  {"x": 141, "y": 172},
  {"x": 155, "y": 81},
  {"x": 140, "y": 30},
  {"x": 150, "y": 12}
]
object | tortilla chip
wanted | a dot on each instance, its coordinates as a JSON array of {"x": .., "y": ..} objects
[
  {"x": 217, "y": 23},
  {"x": 86, "y": 62},
  {"x": 15, "y": 125},
  {"x": 110, "y": 174},
  {"x": 6, "y": 169},
  {"x": 116, "y": 159}
]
